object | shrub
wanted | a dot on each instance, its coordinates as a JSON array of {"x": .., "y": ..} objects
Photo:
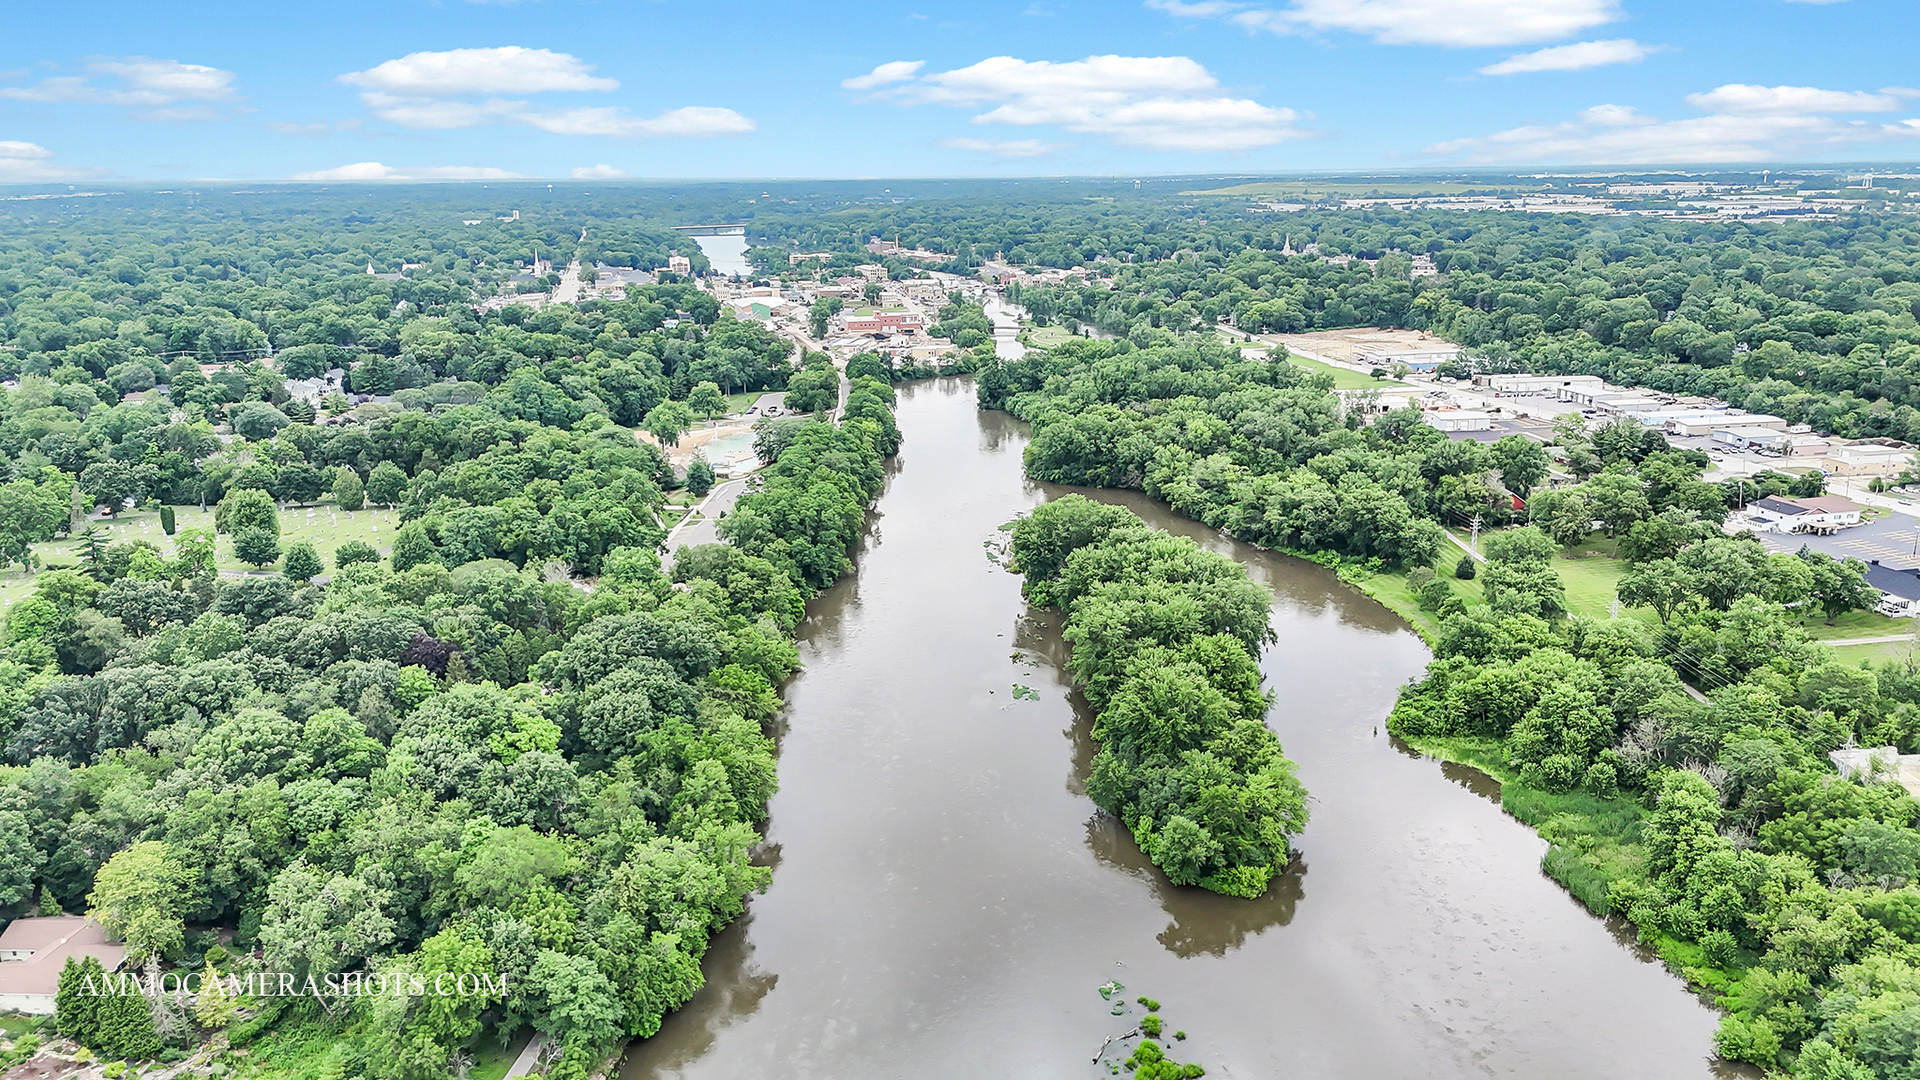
[{"x": 1465, "y": 570}]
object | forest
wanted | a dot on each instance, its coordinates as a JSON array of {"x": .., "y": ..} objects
[{"x": 450, "y": 757}]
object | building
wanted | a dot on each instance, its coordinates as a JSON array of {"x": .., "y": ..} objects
[
  {"x": 797, "y": 258},
  {"x": 1823, "y": 514},
  {"x": 1707, "y": 422},
  {"x": 885, "y": 322},
  {"x": 1457, "y": 420},
  {"x": 1867, "y": 459},
  {"x": 679, "y": 264},
  {"x": 33, "y": 950},
  {"x": 1807, "y": 446},
  {"x": 872, "y": 271},
  {"x": 1537, "y": 384},
  {"x": 1412, "y": 359},
  {"x": 1752, "y": 438}
]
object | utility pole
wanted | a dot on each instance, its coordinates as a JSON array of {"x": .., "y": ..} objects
[{"x": 1474, "y": 546}]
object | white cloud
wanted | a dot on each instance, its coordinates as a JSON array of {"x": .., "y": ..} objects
[
  {"x": 511, "y": 69},
  {"x": 1007, "y": 148},
  {"x": 1455, "y": 23},
  {"x": 597, "y": 172},
  {"x": 1576, "y": 57},
  {"x": 1741, "y": 99},
  {"x": 373, "y": 170},
  {"x": 1618, "y": 134},
  {"x": 693, "y": 122},
  {"x": 444, "y": 91},
  {"x": 31, "y": 163},
  {"x": 891, "y": 72},
  {"x": 1150, "y": 102},
  {"x": 166, "y": 90}
]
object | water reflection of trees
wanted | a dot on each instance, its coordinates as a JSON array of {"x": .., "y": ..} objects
[
  {"x": 1203, "y": 921},
  {"x": 734, "y": 990},
  {"x": 1474, "y": 780}
]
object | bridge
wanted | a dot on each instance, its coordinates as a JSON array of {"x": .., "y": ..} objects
[{"x": 711, "y": 230}]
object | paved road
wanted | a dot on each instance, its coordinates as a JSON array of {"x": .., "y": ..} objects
[
  {"x": 1881, "y": 640},
  {"x": 568, "y": 291},
  {"x": 693, "y": 533}
]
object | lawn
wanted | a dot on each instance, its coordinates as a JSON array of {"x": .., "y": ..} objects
[
  {"x": 1046, "y": 337},
  {"x": 493, "y": 1057},
  {"x": 326, "y": 527},
  {"x": 1345, "y": 378},
  {"x": 738, "y": 403}
]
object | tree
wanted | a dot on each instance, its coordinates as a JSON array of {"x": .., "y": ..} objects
[
  {"x": 167, "y": 520},
  {"x": 349, "y": 493},
  {"x": 303, "y": 563},
  {"x": 300, "y": 483},
  {"x": 256, "y": 547},
  {"x": 1522, "y": 463},
  {"x": 247, "y": 508},
  {"x": 699, "y": 474},
  {"x": 256, "y": 420},
  {"x": 317, "y": 922},
  {"x": 31, "y": 513},
  {"x": 413, "y": 547},
  {"x": 668, "y": 421},
  {"x": 386, "y": 484},
  {"x": 816, "y": 389},
  {"x": 138, "y": 897},
  {"x": 1840, "y": 585},
  {"x": 706, "y": 400},
  {"x": 110, "y": 483},
  {"x": 1465, "y": 569},
  {"x": 354, "y": 551},
  {"x": 825, "y": 308},
  {"x": 1660, "y": 584}
]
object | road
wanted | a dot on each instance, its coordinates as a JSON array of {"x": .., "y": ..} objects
[{"x": 568, "y": 291}]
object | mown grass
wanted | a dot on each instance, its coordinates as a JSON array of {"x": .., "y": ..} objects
[
  {"x": 325, "y": 527},
  {"x": 1344, "y": 378}
]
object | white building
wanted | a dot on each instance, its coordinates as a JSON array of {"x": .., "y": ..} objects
[
  {"x": 1457, "y": 420},
  {"x": 1538, "y": 384},
  {"x": 1412, "y": 359},
  {"x": 1744, "y": 437},
  {"x": 1823, "y": 514},
  {"x": 1867, "y": 459},
  {"x": 33, "y": 950}
]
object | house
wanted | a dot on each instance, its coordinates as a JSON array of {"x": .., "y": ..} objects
[
  {"x": 1823, "y": 514},
  {"x": 33, "y": 950},
  {"x": 679, "y": 264}
]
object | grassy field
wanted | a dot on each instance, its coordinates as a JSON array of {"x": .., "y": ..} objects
[
  {"x": 325, "y": 527},
  {"x": 492, "y": 1058},
  {"x": 1344, "y": 378},
  {"x": 1046, "y": 337}
]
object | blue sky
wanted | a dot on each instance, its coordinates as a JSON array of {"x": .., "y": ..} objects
[{"x": 672, "y": 88}]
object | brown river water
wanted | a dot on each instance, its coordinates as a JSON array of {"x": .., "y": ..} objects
[{"x": 946, "y": 900}]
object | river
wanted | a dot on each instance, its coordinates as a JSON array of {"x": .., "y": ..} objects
[{"x": 946, "y": 900}]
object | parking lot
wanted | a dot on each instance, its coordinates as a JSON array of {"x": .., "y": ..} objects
[{"x": 1892, "y": 541}]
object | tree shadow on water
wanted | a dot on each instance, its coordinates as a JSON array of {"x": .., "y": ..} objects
[
  {"x": 1204, "y": 922},
  {"x": 734, "y": 990}
]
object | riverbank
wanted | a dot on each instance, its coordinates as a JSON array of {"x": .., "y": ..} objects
[{"x": 946, "y": 894}]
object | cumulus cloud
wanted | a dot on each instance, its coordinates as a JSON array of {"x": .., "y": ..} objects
[
  {"x": 1741, "y": 99},
  {"x": 461, "y": 88},
  {"x": 597, "y": 172},
  {"x": 891, "y": 72},
  {"x": 162, "y": 90},
  {"x": 31, "y": 163},
  {"x": 1577, "y": 57},
  {"x": 1006, "y": 148},
  {"x": 480, "y": 71},
  {"x": 1746, "y": 127},
  {"x": 373, "y": 170},
  {"x": 1456, "y": 23},
  {"x": 1149, "y": 102}
]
